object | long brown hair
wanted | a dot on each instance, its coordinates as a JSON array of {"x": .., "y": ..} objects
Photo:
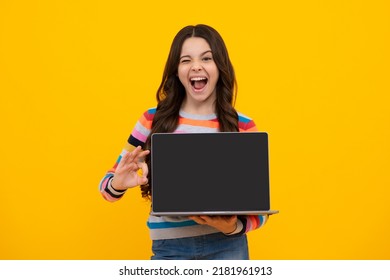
[{"x": 171, "y": 92}]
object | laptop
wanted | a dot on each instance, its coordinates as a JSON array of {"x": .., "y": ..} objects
[{"x": 225, "y": 173}]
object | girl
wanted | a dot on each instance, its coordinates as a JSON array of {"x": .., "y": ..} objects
[{"x": 196, "y": 94}]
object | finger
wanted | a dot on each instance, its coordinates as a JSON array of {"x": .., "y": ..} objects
[
  {"x": 197, "y": 219},
  {"x": 231, "y": 218},
  {"x": 142, "y": 180},
  {"x": 123, "y": 164},
  {"x": 209, "y": 219},
  {"x": 132, "y": 167},
  {"x": 134, "y": 154},
  {"x": 142, "y": 154},
  {"x": 138, "y": 155},
  {"x": 128, "y": 168},
  {"x": 126, "y": 159},
  {"x": 144, "y": 168},
  {"x": 123, "y": 159}
]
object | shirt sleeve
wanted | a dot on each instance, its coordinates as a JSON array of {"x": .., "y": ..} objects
[
  {"x": 246, "y": 124},
  {"x": 252, "y": 222}
]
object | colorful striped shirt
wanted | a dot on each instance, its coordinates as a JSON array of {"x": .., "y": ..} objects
[{"x": 167, "y": 227}]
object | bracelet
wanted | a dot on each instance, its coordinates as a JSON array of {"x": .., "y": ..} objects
[
  {"x": 112, "y": 188},
  {"x": 238, "y": 229},
  {"x": 229, "y": 233}
]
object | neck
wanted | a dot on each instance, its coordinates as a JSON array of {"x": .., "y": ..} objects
[{"x": 198, "y": 108}]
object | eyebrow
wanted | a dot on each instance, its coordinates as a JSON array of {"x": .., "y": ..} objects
[{"x": 202, "y": 54}]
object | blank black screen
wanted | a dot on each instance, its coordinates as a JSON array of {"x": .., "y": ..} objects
[{"x": 210, "y": 172}]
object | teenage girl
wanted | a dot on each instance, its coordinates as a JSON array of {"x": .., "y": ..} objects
[{"x": 196, "y": 94}]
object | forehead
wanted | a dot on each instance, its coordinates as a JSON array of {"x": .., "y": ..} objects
[{"x": 194, "y": 46}]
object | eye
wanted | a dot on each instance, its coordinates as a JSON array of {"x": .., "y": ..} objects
[
  {"x": 184, "y": 61},
  {"x": 207, "y": 58}
]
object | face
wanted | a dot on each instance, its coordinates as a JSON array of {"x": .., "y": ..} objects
[{"x": 198, "y": 72}]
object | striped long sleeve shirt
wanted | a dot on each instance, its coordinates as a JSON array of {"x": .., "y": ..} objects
[{"x": 167, "y": 227}]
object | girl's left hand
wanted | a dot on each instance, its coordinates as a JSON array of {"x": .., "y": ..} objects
[{"x": 225, "y": 224}]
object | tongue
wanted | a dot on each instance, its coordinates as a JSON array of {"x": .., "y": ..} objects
[{"x": 199, "y": 84}]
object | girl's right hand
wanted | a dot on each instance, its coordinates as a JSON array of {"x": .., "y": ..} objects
[{"x": 126, "y": 174}]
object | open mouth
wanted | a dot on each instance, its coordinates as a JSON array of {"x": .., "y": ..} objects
[{"x": 198, "y": 83}]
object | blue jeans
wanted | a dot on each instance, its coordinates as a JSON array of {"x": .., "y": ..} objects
[{"x": 214, "y": 246}]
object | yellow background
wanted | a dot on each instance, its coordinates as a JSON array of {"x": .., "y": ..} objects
[{"x": 76, "y": 75}]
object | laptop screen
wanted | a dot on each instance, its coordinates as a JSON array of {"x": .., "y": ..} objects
[{"x": 223, "y": 173}]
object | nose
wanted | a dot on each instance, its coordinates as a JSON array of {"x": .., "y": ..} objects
[{"x": 196, "y": 67}]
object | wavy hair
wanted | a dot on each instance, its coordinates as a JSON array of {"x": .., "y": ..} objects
[{"x": 171, "y": 92}]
